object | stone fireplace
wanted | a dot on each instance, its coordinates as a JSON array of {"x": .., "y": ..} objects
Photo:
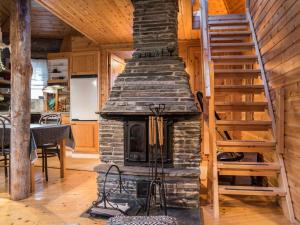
[
  {"x": 136, "y": 143},
  {"x": 154, "y": 75}
]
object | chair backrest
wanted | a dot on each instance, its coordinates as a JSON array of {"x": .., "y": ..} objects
[
  {"x": 50, "y": 118},
  {"x": 4, "y": 140}
]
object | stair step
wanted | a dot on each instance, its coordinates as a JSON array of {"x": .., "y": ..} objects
[
  {"x": 234, "y": 59},
  {"x": 251, "y": 190},
  {"x": 226, "y": 17},
  {"x": 248, "y": 168},
  {"x": 230, "y": 33},
  {"x": 252, "y": 89},
  {"x": 231, "y": 47},
  {"x": 229, "y": 28},
  {"x": 229, "y": 22},
  {"x": 236, "y": 74},
  {"x": 228, "y": 51},
  {"x": 241, "y": 106},
  {"x": 234, "y": 39},
  {"x": 246, "y": 146},
  {"x": 244, "y": 125}
]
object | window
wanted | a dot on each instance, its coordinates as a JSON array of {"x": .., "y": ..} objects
[{"x": 39, "y": 77}]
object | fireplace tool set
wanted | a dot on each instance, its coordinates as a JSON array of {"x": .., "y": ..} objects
[
  {"x": 156, "y": 142},
  {"x": 106, "y": 207}
]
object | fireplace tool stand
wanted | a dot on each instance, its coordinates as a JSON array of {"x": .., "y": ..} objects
[
  {"x": 156, "y": 129},
  {"x": 106, "y": 207}
]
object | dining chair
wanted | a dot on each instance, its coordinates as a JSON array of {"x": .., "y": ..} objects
[
  {"x": 49, "y": 149},
  {"x": 5, "y": 145},
  {"x": 50, "y": 118}
]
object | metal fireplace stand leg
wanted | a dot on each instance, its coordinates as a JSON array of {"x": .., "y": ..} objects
[{"x": 156, "y": 182}]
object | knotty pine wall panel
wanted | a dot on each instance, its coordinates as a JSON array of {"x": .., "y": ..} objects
[{"x": 277, "y": 25}]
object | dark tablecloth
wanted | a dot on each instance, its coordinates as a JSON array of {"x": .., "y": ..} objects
[{"x": 43, "y": 134}]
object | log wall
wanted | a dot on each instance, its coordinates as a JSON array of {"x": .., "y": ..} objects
[{"x": 277, "y": 24}]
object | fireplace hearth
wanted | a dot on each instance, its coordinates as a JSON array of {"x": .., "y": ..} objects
[
  {"x": 136, "y": 143},
  {"x": 155, "y": 75}
]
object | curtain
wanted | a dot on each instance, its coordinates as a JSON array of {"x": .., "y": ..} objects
[{"x": 39, "y": 77}]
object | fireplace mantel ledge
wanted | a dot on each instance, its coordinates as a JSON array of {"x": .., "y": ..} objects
[{"x": 144, "y": 171}]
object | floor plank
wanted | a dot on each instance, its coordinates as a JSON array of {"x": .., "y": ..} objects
[
  {"x": 244, "y": 210},
  {"x": 60, "y": 201}
]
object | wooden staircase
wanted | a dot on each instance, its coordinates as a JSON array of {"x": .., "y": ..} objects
[{"x": 241, "y": 96}]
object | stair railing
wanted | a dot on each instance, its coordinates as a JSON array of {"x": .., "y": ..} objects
[
  {"x": 205, "y": 45},
  {"x": 209, "y": 122},
  {"x": 262, "y": 67}
]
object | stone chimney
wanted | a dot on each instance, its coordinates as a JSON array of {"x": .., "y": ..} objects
[{"x": 155, "y": 74}]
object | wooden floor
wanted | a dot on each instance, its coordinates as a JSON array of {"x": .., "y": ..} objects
[
  {"x": 59, "y": 202},
  {"x": 62, "y": 201},
  {"x": 246, "y": 210}
]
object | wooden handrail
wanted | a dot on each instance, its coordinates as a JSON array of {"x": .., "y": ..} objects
[
  {"x": 262, "y": 68},
  {"x": 206, "y": 57}
]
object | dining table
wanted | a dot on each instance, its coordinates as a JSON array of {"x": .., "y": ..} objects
[{"x": 43, "y": 134}]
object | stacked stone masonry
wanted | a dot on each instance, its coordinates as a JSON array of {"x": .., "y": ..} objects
[
  {"x": 147, "y": 81},
  {"x": 154, "y": 75},
  {"x": 182, "y": 180}
]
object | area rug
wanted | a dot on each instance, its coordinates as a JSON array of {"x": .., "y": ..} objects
[{"x": 183, "y": 216}]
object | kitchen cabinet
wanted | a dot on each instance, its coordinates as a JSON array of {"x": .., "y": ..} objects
[
  {"x": 85, "y": 136},
  {"x": 65, "y": 118},
  {"x": 84, "y": 63}
]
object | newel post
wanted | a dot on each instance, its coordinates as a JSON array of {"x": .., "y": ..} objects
[{"x": 21, "y": 70}]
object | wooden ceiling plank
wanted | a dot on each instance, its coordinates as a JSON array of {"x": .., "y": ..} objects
[
  {"x": 53, "y": 8},
  {"x": 110, "y": 21}
]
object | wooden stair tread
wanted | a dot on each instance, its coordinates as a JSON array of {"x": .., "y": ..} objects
[
  {"x": 249, "y": 148},
  {"x": 226, "y": 17},
  {"x": 244, "y": 125},
  {"x": 241, "y": 106},
  {"x": 236, "y": 71},
  {"x": 240, "y": 88},
  {"x": 251, "y": 190},
  {"x": 235, "y": 57},
  {"x": 229, "y": 39},
  {"x": 229, "y": 33},
  {"x": 246, "y": 143},
  {"x": 236, "y": 74},
  {"x": 242, "y": 44},
  {"x": 227, "y": 22},
  {"x": 229, "y": 50},
  {"x": 249, "y": 165},
  {"x": 242, "y": 27},
  {"x": 243, "y": 122}
]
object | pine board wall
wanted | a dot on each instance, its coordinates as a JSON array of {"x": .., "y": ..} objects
[{"x": 277, "y": 25}]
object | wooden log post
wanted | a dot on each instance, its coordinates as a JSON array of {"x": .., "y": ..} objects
[{"x": 20, "y": 40}]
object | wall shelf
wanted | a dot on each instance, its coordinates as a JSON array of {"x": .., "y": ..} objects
[{"x": 57, "y": 81}]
